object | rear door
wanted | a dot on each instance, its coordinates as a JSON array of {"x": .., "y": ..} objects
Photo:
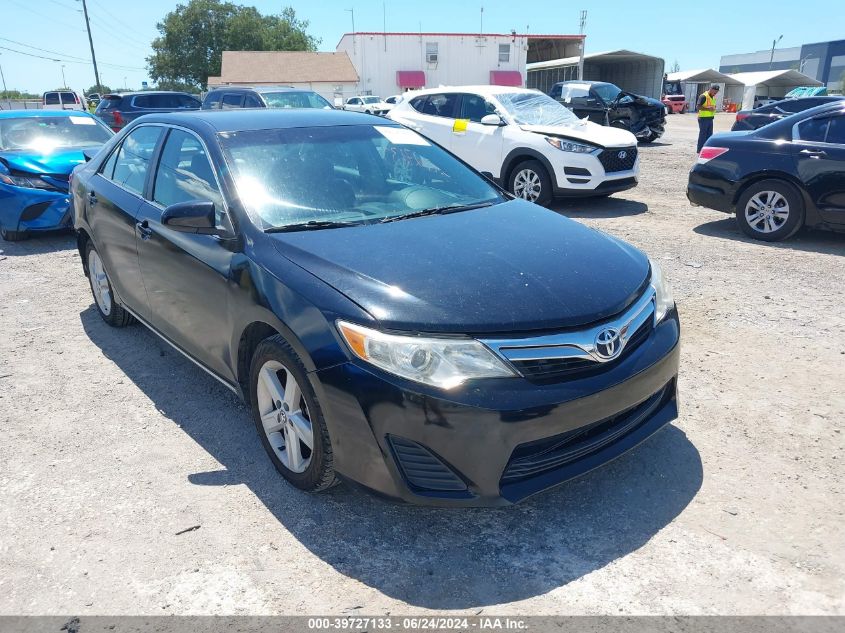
[
  {"x": 114, "y": 197},
  {"x": 477, "y": 144},
  {"x": 187, "y": 275},
  {"x": 819, "y": 150},
  {"x": 436, "y": 117}
]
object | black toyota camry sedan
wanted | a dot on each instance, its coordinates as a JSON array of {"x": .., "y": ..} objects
[
  {"x": 758, "y": 117},
  {"x": 780, "y": 178},
  {"x": 391, "y": 317}
]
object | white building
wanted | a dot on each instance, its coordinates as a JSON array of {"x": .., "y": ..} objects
[{"x": 390, "y": 63}]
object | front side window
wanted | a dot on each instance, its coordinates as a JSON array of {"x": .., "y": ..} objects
[
  {"x": 607, "y": 92},
  {"x": 372, "y": 99},
  {"x": 441, "y": 105},
  {"x": 475, "y": 107},
  {"x": 357, "y": 174},
  {"x": 133, "y": 158},
  {"x": 251, "y": 101},
  {"x": 504, "y": 52},
  {"x": 295, "y": 100},
  {"x": 45, "y": 134},
  {"x": 185, "y": 173},
  {"x": 535, "y": 108},
  {"x": 212, "y": 100},
  {"x": 231, "y": 100}
]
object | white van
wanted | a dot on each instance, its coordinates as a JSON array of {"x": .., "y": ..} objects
[{"x": 62, "y": 100}]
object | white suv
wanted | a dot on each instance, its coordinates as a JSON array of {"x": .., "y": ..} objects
[
  {"x": 525, "y": 140},
  {"x": 368, "y": 104}
]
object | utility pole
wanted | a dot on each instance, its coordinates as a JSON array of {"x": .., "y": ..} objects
[
  {"x": 64, "y": 81},
  {"x": 481, "y": 24},
  {"x": 582, "y": 31},
  {"x": 772, "y": 56},
  {"x": 91, "y": 42},
  {"x": 5, "y": 91}
]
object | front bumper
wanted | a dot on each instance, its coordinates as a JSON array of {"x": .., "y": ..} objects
[
  {"x": 23, "y": 209},
  {"x": 473, "y": 446},
  {"x": 584, "y": 175}
]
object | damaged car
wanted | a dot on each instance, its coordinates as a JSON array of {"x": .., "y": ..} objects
[
  {"x": 524, "y": 140},
  {"x": 607, "y": 104},
  {"x": 38, "y": 151}
]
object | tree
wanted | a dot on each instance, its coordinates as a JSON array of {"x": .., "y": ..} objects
[
  {"x": 179, "y": 86},
  {"x": 102, "y": 89},
  {"x": 194, "y": 36}
]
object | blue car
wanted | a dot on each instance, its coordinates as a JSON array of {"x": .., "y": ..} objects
[{"x": 38, "y": 151}]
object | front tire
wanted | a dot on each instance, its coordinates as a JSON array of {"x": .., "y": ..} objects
[
  {"x": 108, "y": 307},
  {"x": 288, "y": 417},
  {"x": 530, "y": 181},
  {"x": 770, "y": 210}
]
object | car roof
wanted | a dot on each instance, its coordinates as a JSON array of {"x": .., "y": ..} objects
[
  {"x": 583, "y": 82},
  {"x": 19, "y": 114},
  {"x": 259, "y": 89},
  {"x": 149, "y": 92},
  {"x": 483, "y": 90},
  {"x": 834, "y": 107},
  {"x": 243, "y": 119}
]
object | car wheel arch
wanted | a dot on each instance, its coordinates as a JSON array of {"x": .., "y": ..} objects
[
  {"x": 520, "y": 154},
  {"x": 82, "y": 239},
  {"x": 811, "y": 216}
]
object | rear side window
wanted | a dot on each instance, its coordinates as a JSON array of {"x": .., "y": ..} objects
[
  {"x": 51, "y": 98},
  {"x": 441, "y": 105},
  {"x": 110, "y": 102},
  {"x": 69, "y": 97},
  {"x": 231, "y": 100},
  {"x": 556, "y": 92},
  {"x": 418, "y": 104},
  {"x": 212, "y": 100},
  {"x": 185, "y": 173},
  {"x": 133, "y": 158},
  {"x": 251, "y": 101},
  {"x": 187, "y": 101},
  {"x": 812, "y": 130},
  {"x": 836, "y": 130}
]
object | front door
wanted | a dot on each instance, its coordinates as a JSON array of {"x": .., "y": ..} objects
[
  {"x": 187, "y": 275},
  {"x": 115, "y": 194},
  {"x": 819, "y": 151}
]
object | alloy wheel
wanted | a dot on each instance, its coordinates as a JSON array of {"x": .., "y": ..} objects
[
  {"x": 284, "y": 416},
  {"x": 766, "y": 211},
  {"x": 527, "y": 185},
  {"x": 99, "y": 282}
]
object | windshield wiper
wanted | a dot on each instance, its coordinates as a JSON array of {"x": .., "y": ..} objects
[
  {"x": 451, "y": 208},
  {"x": 310, "y": 225}
]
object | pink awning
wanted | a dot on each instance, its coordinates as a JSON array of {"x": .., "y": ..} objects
[
  {"x": 505, "y": 78},
  {"x": 410, "y": 78}
]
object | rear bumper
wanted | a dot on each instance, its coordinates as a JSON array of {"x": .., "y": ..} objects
[
  {"x": 396, "y": 438},
  {"x": 705, "y": 191},
  {"x": 24, "y": 209}
]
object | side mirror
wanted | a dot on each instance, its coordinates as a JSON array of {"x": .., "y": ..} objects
[
  {"x": 492, "y": 119},
  {"x": 194, "y": 216}
]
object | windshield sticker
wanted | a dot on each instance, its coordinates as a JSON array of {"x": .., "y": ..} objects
[
  {"x": 82, "y": 120},
  {"x": 401, "y": 136},
  {"x": 460, "y": 126}
]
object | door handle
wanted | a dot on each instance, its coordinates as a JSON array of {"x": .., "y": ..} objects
[
  {"x": 813, "y": 153},
  {"x": 144, "y": 229}
]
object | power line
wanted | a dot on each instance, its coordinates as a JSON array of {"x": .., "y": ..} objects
[
  {"x": 42, "y": 16},
  {"x": 106, "y": 29},
  {"x": 126, "y": 28},
  {"x": 64, "y": 6},
  {"x": 44, "y": 50},
  {"x": 68, "y": 61}
]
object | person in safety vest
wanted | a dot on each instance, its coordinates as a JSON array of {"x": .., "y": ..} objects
[{"x": 706, "y": 112}]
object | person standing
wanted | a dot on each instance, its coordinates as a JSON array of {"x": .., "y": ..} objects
[{"x": 706, "y": 113}]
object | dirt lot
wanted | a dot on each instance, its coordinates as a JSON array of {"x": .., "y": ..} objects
[{"x": 113, "y": 444}]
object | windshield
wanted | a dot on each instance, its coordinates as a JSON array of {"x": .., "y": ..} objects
[
  {"x": 607, "y": 92},
  {"x": 295, "y": 100},
  {"x": 356, "y": 174},
  {"x": 535, "y": 108},
  {"x": 46, "y": 134},
  {"x": 371, "y": 99}
]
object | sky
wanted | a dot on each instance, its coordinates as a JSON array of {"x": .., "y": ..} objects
[{"x": 693, "y": 33}]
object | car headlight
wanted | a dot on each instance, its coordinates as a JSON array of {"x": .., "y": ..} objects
[
  {"x": 663, "y": 299},
  {"x": 440, "y": 362},
  {"x": 569, "y": 146},
  {"x": 23, "y": 181}
]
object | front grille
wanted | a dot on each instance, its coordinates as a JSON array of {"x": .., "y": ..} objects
[
  {"x": 423, "y": 470},
  {"x": 612, "y": 161},
  {"x": 535, "y": 458},
  {"x": 547, "y": 370},
  {"x": 35, "y": 210}
]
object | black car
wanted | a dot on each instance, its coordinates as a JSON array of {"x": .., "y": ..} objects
[
  {"x": 232, "y": 97},
  {"x": 758, "y": 117},
  {"x": 118, "y": 109},
  {"x": 779, "y": 178},
  {"x": 607, "y": 104},
  {"x": 390, "y": 316}
]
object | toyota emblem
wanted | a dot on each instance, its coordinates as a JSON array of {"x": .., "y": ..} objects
[
  {"x": 608, "y": 343},
  {"x": 622, "y": 155}
]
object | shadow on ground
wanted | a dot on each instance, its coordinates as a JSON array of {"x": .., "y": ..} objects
[
  {"x": 39, "y": 244},
  {"x": 434, "y": 558},
  {"x": 610, "y": 207},
  {"x": 814, "y": 241}
]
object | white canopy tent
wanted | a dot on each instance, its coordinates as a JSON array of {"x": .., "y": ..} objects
[
  {"x": 771, "y": 83},
  {"x": 695, "y": 82}
]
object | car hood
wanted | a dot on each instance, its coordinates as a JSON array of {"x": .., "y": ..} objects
[
  {"x": 587, "y": 131},
  {"x": 511, "y": 267},
  {"x": 60, "y": 161}
]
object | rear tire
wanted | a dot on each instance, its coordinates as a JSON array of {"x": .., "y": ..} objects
[
  {"x": 770, "y": 210},
  {"x": 530, "y": 181},
  {"x": 288, "y": 417},
  {"x": 107, "y": 305}
]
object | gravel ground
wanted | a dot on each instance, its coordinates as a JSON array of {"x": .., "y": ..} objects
[{"x": 113, "y": 445}]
